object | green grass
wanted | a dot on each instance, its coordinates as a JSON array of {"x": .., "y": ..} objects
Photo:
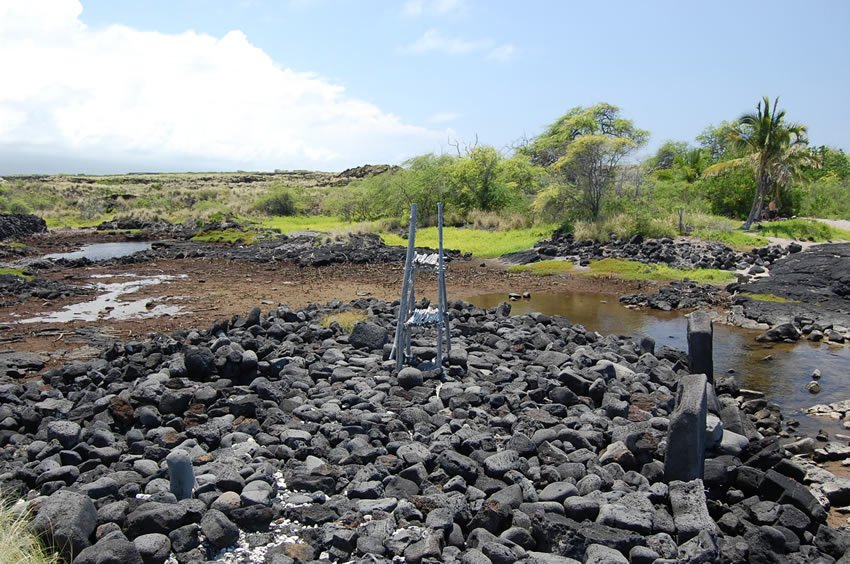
[
  {"x": 226, "y": 236},
  {"x": 804, "y": 229},
  {"x": 346, "y": 319},
  {"x": 17, "y": 544},
  {"x": 773, "y": 298},
  {"x": 737, "y": 239},
  {"x": 481, "y": 243},
  {"x": 290, "y": 223},
  {"x": 633, "y": 270},
  {"x": 15, "y": 272},
  {"x": 57, "y": 221},
  {"x": 544, "y": 267}
]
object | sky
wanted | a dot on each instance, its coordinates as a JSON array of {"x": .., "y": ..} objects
[{"x": 109, "y": 86}]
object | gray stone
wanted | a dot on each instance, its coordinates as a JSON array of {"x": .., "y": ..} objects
[
  {"x": 154, "y": 548},
  {"x": 410, "y": 377},
  {"x": 551, "y": 358},
  {"x": 558, "y": 491},
  {"x": 220, "y": 531},
  {"x": 685, "y": 459},
  {"x": 690, "y": 512},
  {"x": 497, "y": 465},
  {"x": 700, "y": 344},
  {"x": 66, "y": 432},
  {"x": 599, "y": 554},
  {"x": 368, "y": 335},
  {"x": 155, "y": 517},
  {"x": 110, "y": 551},
  {"x": 66, "y": 520}
]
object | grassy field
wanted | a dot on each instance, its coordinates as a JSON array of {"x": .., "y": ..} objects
[
  {"x": 633, "y": 270},
  {"x": 290, "y": 224},
  {"x": 479, "y": 242},
  {"x": 227, "y": 236},
  {"x": 804, "y": 229},
  {"x": 628, "y": 270}
]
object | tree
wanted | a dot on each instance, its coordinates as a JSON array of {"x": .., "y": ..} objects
[
  {"x": 775, "y": 150},
  {"x": 586, "y": 146},
  {"x": 715, "y": 140}
]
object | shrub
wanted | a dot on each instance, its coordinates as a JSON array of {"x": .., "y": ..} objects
[{"x": 280, "y": 201}]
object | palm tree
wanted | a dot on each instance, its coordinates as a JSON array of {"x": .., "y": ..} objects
[{"x": 774, "y": 149}]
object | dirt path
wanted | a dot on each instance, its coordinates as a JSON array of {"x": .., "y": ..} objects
[{"x": 837, "y": 223}]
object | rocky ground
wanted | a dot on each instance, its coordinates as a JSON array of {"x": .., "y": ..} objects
[
  {"x": 542, "y": 442},
  {"x": 679, "y": 253},
  {"x": 679, "y": 295},
  {"x": 815, "y": 289}
]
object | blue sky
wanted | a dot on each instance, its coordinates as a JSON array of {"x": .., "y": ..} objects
[{"x": 160, "y": 84}]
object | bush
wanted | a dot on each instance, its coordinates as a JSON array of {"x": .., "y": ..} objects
[{"x": 280, "y": 201}]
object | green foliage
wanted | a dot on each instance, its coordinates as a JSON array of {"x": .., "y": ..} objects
[
  {"x": 737, "y": 240},
  {"x": 226, "y": 236},
  {"x": 715, "y": 140},
  {"x": 8, "y": 271},
  {"x": 633, "y": 270},
  {"x": 730, "y": 194},
  {"x": 804, "y": 229},
  {"x": 625, "y": 225},
  {"x": 279, "y": 201},
  {"x": 776, "y": 151},
  {"x": 585, "y": 146},
  {"x": 289, "y": 224},
  {"x": 479, "y": 242}
]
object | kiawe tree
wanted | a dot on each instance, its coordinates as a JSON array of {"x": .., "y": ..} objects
[
  {"x": 585, "y": 146},
  {"x": 775, "y": 150}
]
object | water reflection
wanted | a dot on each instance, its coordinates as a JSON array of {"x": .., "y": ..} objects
[
  {"x": 103, "y": 251},
  {"x": 782, "y": 377}
]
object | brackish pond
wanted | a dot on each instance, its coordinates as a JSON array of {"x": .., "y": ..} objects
[
  {"x": 103, "y": 251},
  {"x": 782, "y": 379}
]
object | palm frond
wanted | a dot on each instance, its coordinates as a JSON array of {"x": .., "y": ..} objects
[{"x": 726, "y": 166}]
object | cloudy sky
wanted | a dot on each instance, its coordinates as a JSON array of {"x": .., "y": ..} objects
[{"x": 111, "y": 86}]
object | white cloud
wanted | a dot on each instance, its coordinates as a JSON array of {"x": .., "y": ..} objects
[
  {"x": 444, "y": 117},
  {"x": 502, "y": 53},
  {"x": 122, "y": 95},
  {"x": 434, "y": 41},
  {"x": 416, "y": 8}
]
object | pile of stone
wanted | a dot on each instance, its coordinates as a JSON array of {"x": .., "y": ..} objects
[
  {"x": 20, "y": 225},
  {"x": 678, "y": 295},
  {"x": 310, "y": 249},
  {"x": 540, "y": 442},
  {"x": 678, "y": 253},
  {"x": 15, "y": 289}
]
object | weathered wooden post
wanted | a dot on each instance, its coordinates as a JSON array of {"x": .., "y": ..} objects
[{"x": 404, "y": 308}]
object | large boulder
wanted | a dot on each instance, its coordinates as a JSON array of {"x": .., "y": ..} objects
[
  {"x": 110, "y": 551},
  {"x": 368, "y": 335},
  {"x": 20, "y": 225},
  {"x": 66, "y": 520}
]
